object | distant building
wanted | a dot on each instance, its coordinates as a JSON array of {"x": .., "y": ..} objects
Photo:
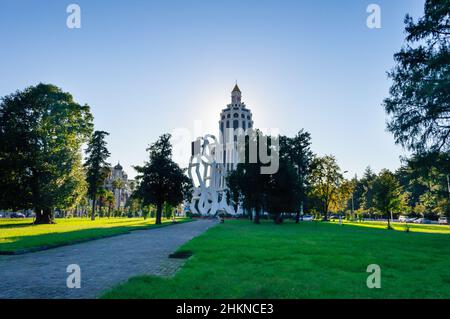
[
  {"x": 208, "y": 175},
  {"x": 235, "y": 117},
  {"x": 121, "y": 194}
]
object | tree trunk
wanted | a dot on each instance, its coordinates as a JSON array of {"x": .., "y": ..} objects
[
  {"x": 389, "y": 222},
  {"x": 44, "y": 216},
  {"x": 278, "y": 219},
  {"x": 158, "y": 213},
  {"x": 325, "y": 210},
  {"x": 257, "y": 216},
  {"x": 297, "y": 217},
  {"x": 93, "y": 208}
]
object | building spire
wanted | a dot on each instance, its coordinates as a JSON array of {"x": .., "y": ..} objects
[
  {"x": 236, "y": 88},
  {"x": 236, "y": 95}
]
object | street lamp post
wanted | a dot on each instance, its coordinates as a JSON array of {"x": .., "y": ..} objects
[
  {"x": 353, "y": 207},
  {"x": 345, "y": 172},
  {"x": 448, "y": 185},
  {"x": 448, "y": 189}
]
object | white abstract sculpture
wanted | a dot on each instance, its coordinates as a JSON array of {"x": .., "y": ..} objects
[{"x": 208, "y": 178}]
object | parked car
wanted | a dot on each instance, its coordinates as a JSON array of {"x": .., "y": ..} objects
[
  {"x": 422, "y": 221},
  {"x": 308, "y": 218},
  {"x": 443, "y": 221},
  {"x": 406, "y": 219},
  {"x": 17, "y": 215}
]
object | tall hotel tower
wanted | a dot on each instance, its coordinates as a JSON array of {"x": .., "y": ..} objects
[{"x": 235, "y": 118}]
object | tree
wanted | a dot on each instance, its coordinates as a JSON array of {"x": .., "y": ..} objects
[
  {"x": 246, "y": 183},
  {"x": 135, "y": 206},
  {"x": 118, "y": 184},
  {"x": 419, "y": 102},
  {"x": 424, "y": 177},
  {"x": 343, "y": 196},
  {"x": 325, "y": 179},
  {"x": 367, "y": 198},
  {"x": 388, "y": 195},
  {"x": 298, "y": 153},
  {"x": 110, "y": 200},
  {"x": 283, "y": 191},
  {"x": 96, "y": 165},
  {"x": 161, "y": 179},
  {"x": 102, "y": 201},
  {"x": 42, "y": 130}
]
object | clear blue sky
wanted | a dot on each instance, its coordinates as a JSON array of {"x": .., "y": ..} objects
[{"x": 149, "y": 67}]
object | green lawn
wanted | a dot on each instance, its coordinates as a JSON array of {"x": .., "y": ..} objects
[
  {"x": 308, "y": 260},
  {"x": 20, "y": 234},
  {"x": 419, "y": 228}
]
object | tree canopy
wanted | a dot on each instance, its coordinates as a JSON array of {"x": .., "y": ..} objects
[
  {"x": 419, "y": 101},
  {"x": 325, "y": 180},
  {"x": 161, "y": 180},
  {"x": 42, "y": 130},
  {"x": 96, "y": 165},
  {"x": 281, "y": 191}
]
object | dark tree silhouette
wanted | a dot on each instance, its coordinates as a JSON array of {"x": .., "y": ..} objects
[
  {"x": 246, "y": 183},
  {"x": 297, "y": 152},
  {"x": 97, "y": 168},
  {"x": 161, "y": 179}
]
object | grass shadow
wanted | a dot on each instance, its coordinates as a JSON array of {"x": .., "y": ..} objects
[{"x": 12, "y": 225}]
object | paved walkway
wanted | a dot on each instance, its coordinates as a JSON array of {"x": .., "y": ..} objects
[{"x": 104, "y": 263}]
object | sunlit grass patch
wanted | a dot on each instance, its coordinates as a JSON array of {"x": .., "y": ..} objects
[
  {"x": 16, "y": 235},
  {"x": 419, "y": 228}
]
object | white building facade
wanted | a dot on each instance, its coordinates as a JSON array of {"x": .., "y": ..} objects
[{"x": 234, "y": 119}]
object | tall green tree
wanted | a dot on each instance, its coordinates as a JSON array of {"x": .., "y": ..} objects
[
  {"x": 118, "y": 184},
  {"x": 389, "y": 197},
  {"x": 343, "y": 196},
  {"x": 42, "y": 130},
  {"x": 419, "y": 102},
  {"x": 277, "y": 192},
  {"x": 161, "y": 180},
  {"x": 97, "y": 167},
  {"x": 297, "y": 152},
  {"x": 283, "y": 191},
  {"x": 325, "y": 179},
  {"x": 110, "y": 201},
  {"x": 367, "y": 197},
  {"x": 424, "y": 177},
  {"x": 246, "y": 183}
]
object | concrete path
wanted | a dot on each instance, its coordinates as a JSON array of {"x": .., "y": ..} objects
[{"x": 104, "y": 263}]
